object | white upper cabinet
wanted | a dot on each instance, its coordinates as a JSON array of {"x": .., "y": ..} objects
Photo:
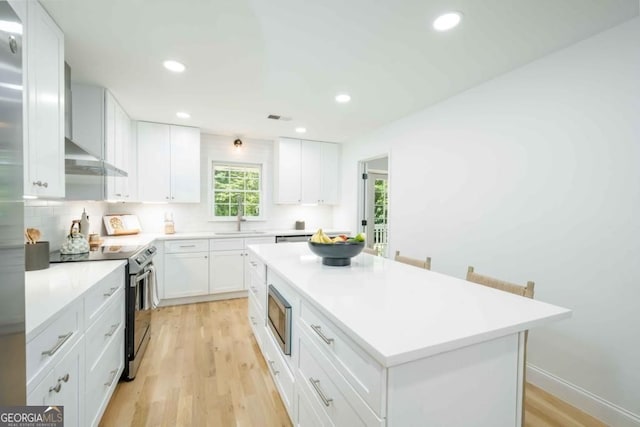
[
  {"x": 185, "y": 164},
  {"x": 44, "y": 130},
  {"x": 120, "y": 148},
  {"x": 306, "y": 172},
  {"x": 168, "y": 163},
  {"x": 287, "y": 174},
  {"x": 102, "y": 128}
]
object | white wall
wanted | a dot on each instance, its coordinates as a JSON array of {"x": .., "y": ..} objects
[
  {"x": 195, "y": 217},
  {"x": 534, "y": 176}
]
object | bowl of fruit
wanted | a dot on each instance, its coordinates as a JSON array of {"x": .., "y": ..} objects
[{"x": 336, "y": 251}]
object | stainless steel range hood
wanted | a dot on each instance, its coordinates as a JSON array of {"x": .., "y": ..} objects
[{"x": 77, "y": 160}]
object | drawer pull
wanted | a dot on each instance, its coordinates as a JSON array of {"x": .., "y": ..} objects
[
  {"x": 112, "y": 330},
  {"x": 56, "y": 388},
  {"x": 253, "y": 263},
  {"x": 187, "y": 246},
  {"x": 61, "y": 340},
  {"x": 113, "y": 377},
  {"x": 316, "y": 386},
  {"x": 318, "y": 330},
  {"x": 64, "y": 378},
  {"x": 111, "y": 292},
  {"x": 271, "y": 362},
  {"x": 253, "y": 320},
  {"x": 254, "y": 289}
]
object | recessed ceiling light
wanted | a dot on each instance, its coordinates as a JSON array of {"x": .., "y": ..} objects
[
  {"x": 175, "y": 66},
  {"x": 447, "y": 21},
  {"x": 343, "y": 98},
  {"x": 183, "y": 115},
  {"x": 301, "y": 130}
]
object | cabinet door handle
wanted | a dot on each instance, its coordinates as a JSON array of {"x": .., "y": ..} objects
[
  {"x": 253, "y": 320},
  {"x": 112, "y": 330},
  {"x": 119, "y": 194},
  {"x": 113, "y": 377},
  {"x": 38, "y": 183},
  {"x": 253, "y": 263},
  {"x": 271, "y": 362},
  {"x": 318, "y": 330},
  {"x": 56, "y": 388},
  {"x": 45, "y": 184},
  {"x": 61, "y": 340},
  {"x": 111, "y": 292},
  {"x": 254, "y": 289},
  {"x": 64, "y": 378},
  {"x": 187, "y": 246},
  {"x": 316, "y": 385}
]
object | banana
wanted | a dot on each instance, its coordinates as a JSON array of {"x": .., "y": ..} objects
[{"x": 321, "y": 237}]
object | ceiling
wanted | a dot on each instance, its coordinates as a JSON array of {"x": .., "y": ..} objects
[{"x": 249, "y": 58}]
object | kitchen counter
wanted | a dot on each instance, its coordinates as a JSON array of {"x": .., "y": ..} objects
[
  {"x": 398, "y": 313},
  {"x": 146, "y": 238},
  {"x": 49, "y": 291}
]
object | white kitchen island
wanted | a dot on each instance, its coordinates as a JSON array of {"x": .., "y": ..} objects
[{"x": 384, "y": 343}]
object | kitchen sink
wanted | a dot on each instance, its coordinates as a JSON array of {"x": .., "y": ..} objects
[{"x": 239, "y": 233}]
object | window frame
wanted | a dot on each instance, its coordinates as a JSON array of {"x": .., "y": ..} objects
[{"x": 211, "y": 190}]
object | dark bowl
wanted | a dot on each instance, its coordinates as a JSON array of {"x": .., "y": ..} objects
[{"x": 336, "y": 254}]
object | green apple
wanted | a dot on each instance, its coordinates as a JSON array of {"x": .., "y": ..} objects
[{"x": 360, "y": 237}]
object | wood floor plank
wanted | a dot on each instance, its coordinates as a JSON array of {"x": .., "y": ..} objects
[{"x": 203, "y": 367}]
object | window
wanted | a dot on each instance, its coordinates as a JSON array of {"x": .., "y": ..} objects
[{"x": 236, "y": 186}]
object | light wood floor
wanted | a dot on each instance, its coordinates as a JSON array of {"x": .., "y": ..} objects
[{"x": 203, "y": 368}]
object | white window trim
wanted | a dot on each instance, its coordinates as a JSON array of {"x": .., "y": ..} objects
[{"x": 210, "y": 198}]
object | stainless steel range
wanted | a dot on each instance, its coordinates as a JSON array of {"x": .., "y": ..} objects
[{"x": 138, "y": 296}]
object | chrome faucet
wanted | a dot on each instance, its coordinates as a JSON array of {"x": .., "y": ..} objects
[{"x": 240, "y": 218}]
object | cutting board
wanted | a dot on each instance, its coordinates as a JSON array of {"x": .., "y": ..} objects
[{"x": 121, "y": 225}]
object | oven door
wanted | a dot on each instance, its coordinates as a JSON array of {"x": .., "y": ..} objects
[
  {"x": 279, "y": 314},
  {"x": 138, "y": 318}
]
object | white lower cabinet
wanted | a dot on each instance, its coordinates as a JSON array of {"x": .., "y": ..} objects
[
  {"x": 103, "y": 377},
  {"x": 64, "y": 386},
  {"x": 186, "y": 274},
  {"x": 226, "y": 271},
  {"x": 280, "y": 372},
  {"x": 76, "y": 361}
]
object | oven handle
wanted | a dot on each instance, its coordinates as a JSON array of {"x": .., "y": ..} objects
[{"x": 140, "y": 278}]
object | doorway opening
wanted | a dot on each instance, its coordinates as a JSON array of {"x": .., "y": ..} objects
[{"x": 373, "y": 209}]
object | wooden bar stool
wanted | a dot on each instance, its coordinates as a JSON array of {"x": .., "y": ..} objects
[{"x": 426, "y": 264}]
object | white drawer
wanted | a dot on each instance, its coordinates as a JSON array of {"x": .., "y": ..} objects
[
  {"x": 256, "y": 266},
  {"x": 279, "y": 370},
  {"x": 181, "y": 246},
  {"x": 101, "y": 294},
  {"x": 60, "y": 335},
  {"x": 364, "y": 374},
  {"x": 102, "y": 379},
  {"x": 330, "y": 392},
  {"x": 256, "y": 320},
  {"x": 104, "y": 330},
  {"x": 309, "y": 415},
  {"x": 258, "y": 289},
  {"x": 226, "y": 244}
]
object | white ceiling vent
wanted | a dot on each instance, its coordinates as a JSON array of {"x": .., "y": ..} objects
[{"x": 277, "y": 117}]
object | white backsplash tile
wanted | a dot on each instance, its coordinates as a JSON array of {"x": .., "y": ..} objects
[{"x": 53, "y": 218}]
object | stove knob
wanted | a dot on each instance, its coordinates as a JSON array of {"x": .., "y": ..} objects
[
  {"x": 152, "y": 249},
  {"x": 140, "y": 260}
]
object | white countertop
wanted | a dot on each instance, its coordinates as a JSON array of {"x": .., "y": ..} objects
[
  {"x": 146, "y": 238},
  {"x": 399, "y": 313},
  {"x": 50, "y": 291}
]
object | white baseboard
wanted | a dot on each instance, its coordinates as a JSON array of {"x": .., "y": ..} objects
[
  {"x": 582, "y": 399},
  {"x": 205, "y": 298}
]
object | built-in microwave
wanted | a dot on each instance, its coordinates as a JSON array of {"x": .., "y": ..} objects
[{"x": 279, "y": 316}]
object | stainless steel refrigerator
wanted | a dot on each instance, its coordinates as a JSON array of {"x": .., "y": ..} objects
[{"x": 12, "y": 308}]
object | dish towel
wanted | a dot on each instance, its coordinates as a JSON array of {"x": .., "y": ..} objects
[{"x": 152, "y": 301}]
